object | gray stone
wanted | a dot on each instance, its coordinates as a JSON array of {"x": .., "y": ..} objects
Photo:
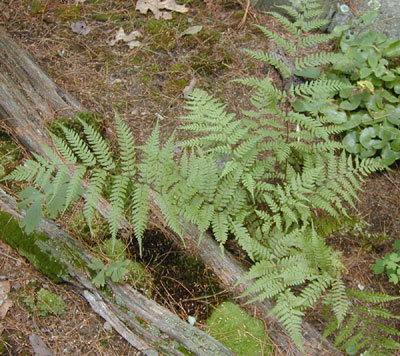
[{"x": 388, "y": 20}]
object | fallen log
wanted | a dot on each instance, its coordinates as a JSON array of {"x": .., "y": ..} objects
[{"x": 225, "y": 266}]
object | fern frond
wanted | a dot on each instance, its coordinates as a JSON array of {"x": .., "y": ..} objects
[
  {"x": 74, "y": 185},
  {"x": 316, "y": 87},
  {"x": 371, "y": 297},
  {"x": 347, "y": 330},
  {"x": 140, "y": 211},
  {"x": 280, "y": 41},
  {"x": 63, "y": 148},
  {"x": 285, "y": 22},
  {"x": 220, "y": 226},
  {"x": 315, "y": 60},
  {"x": 313, "y": 40},
  {"x": 307, "y": 26},
  {"x": 283, "y": 69},
  {"x": 99, "y": 146},
  {"x": 286, "y": 309},
  {"x": 79, "y": 147},
  {"x": 27, "y": 172},
  {"x": 93, "y": 195},
  {"x": 127, "y": 147},
  {"x": 339, "y": 299},
  {"x": 315, "y": 289},
  {"x": 117, "y": 203}
]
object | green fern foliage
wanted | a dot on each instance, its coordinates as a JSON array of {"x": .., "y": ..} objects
[
  {"x": 263, "y": 177},
  {"x": 363, "y": 331}
]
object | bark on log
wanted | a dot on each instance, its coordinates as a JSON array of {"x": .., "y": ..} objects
[
  {"x": 225, "y": 266},
  {"x": 28, "y": 97},
  {"x": 164, "y": 325}
]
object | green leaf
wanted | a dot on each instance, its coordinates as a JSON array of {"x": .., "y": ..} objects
[
  {"x": 96, "y": 264},
  {"x": 394, "y": 278},
  {"x": 368, "y": 18},
  {"x": 352, "y": 103},
  {"x": 335, "y": 116},
  {"x": 393, "y": 50},
  {"x": 389, "y": 156},
  {"x": 350, "y": 142},
  {"x": 117, "y": 270},
  {"x": 385, "y": 133},
  {"x": 365, "y": 72},
  {"x": 34, "y": 214},
  {"x": 395, "y": 144},
  {"x": 397, "y": 245},
  {"x": 373, "y": 60},
  {"x": 366, "y": 137},
  {"x": 355, "y": 119},
  {"x": 100, "y": 279},
  {"x": 378, "y": 267}
]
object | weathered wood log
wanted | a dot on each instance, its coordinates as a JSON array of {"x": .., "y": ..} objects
[
  {"x": 153, "y": 327},
  {"x": 28, "y": 97},
  {"x": 225, "y": 266}
]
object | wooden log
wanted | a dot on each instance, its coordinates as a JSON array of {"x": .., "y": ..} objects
[
  {"x": 60, "y": 247},
  {"x": 224, "y": 265},
  {"x": 28, "y": 97}
]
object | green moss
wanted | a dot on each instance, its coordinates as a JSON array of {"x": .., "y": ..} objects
[
  {"x": 238, "y": 331},
  {"x": 184, "y": 351},
  {"x": 154, "y": 26},
  {"x": 100, "y": 17},
  {"x": 145, "y": 78},
  {"x": 177, "y": 68},
  {"x": 35, "y": 7},
  {"x": 69, "y": 13},
  {"x": 112, "y": 16},
  {"x": 33, "y": 247}
]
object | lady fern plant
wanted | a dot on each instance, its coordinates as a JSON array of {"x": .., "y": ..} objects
[{"x": 264, "y": 178}]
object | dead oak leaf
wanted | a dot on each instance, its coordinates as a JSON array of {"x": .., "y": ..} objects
[
  {"x": 4, "y": 303},
  {"x": 155, "y": 6},
  {"x": 129, "y": 39}
]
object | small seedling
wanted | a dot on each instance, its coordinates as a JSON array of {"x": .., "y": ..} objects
[{"x": 390, "y": 263}]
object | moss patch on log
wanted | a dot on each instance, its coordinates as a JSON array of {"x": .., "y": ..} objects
[
  {"x": 35, "y": 247},
  {"x": 238, "y": 331}
]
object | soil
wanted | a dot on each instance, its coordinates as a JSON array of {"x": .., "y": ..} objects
[{"x": 145, "y": 85}]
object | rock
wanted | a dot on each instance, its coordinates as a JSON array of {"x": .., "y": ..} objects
[
  {"x": 39, "y": 347},
  {"x": 388, "y": 20}
]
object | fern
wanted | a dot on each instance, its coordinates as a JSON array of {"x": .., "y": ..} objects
[
  {"x": 127, "y": 147},
  {"x": 363, "y": 332},
  {"x": 263, "y": 177}
]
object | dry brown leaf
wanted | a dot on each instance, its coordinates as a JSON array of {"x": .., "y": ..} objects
[
  {"x": 129, "y": 39},
  {"x": 4, "y": 307},
  {"x": 189, "y": 88},
  {"x": 39, "y": 346},
  {"x": 5, "y": 288},
  {"x": 5, "y": 304},
  {"x": 155, "y": 6}
]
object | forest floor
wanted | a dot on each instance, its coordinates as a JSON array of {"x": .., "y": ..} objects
[{"x": 145, "y": 85}]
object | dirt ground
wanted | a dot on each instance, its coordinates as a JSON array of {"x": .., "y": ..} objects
[{"x": 145, "y": 85}]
